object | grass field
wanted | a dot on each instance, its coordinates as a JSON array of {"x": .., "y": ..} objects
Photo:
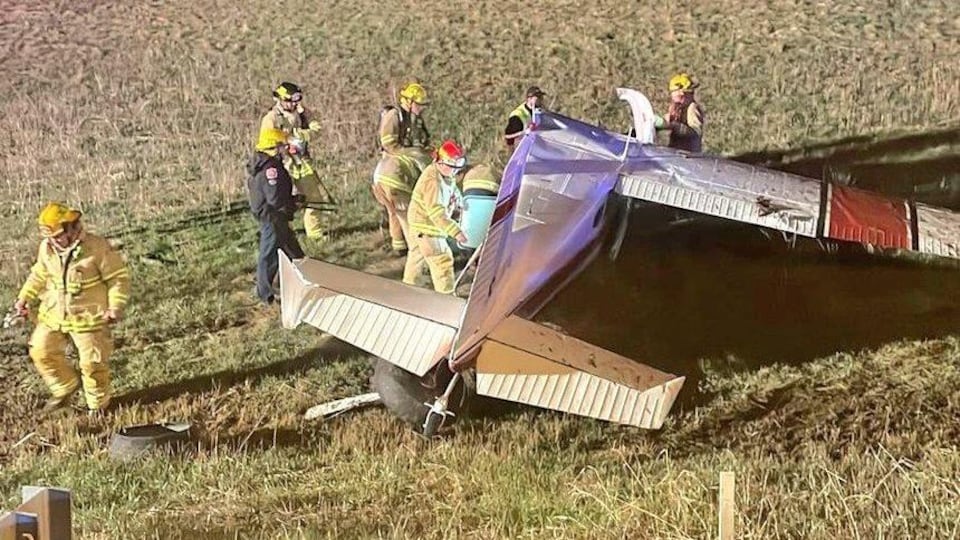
[{"x": 145, "y": 112}]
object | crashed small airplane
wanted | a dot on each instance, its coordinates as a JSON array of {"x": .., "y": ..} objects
[{"x": 564, "y": 197}]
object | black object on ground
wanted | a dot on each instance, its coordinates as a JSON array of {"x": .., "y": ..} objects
[{"x": 134, "y": 441}]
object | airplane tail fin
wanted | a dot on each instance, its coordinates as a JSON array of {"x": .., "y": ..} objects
[
  {"x": 529, "y": 363},
  {"x": 410, "y": 327}
]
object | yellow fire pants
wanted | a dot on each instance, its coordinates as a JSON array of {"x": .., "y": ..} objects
[
  {"x": 309, "y": 186},
  {"x": 48, "y": 352},
  {"x": 396, "y": 203},
  {"x": 436, "y": 254}
]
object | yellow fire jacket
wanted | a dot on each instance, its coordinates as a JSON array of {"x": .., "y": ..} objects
[
  {"x": 400, "y": 130},
  {"x": 397, "y": 173},
  {"x": 404, "y": 138},
  {"x": 433, "y": 203},
  {"x": 481, "y": 177},
  {"x": 299, "y": 123},
  {"x": 76, "y": 288}
]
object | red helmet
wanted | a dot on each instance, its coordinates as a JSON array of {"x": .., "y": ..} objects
[{"x": 452, "y": 154}]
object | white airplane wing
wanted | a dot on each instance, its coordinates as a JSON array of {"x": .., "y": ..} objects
[{"x": 794, "y": 204}]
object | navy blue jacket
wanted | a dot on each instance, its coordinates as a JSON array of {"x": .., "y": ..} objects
[{"x": 269, "y": 188}]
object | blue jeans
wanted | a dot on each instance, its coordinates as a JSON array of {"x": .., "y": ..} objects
[{"x": 275, "y": 234}]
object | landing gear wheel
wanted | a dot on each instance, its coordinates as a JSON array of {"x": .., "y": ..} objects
[
  {"x": 433, "y": 423},
  {"x": 409, "y": 397}
]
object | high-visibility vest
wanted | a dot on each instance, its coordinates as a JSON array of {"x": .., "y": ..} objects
[{"x": 524, "y": 114}]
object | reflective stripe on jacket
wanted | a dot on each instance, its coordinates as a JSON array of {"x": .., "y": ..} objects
[{"x": 399, "y": 173}]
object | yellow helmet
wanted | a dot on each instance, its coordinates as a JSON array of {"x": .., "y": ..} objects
[
  {"x": 414, "y": 92},
  {"x": 287, "y": 91},
  {"x": 269, "y": 139},
  {"x": 53, "y": 216},
  {"x": 682, "y": 81}
]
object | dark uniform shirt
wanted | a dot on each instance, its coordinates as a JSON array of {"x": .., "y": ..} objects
[{"x": 269, "y": 188}]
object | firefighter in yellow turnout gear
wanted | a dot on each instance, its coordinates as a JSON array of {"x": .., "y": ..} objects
[
  {"x": 289, "y": 115},
  {"x": 83, "y": 285},
  {"x": 404, "y": 143},
  {"x": 434, "y": 201}
]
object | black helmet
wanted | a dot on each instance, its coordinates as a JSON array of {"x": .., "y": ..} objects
[{"x": 288, "y": 91}]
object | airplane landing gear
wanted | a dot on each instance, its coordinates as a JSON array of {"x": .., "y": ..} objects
[
  {"x": 414, "y": 399},
  {"x": 439, "y": 412}
]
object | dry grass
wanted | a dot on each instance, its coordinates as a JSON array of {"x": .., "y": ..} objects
[
  {"x": 137, "y": 110},
  {"x": 143, "y": 111}
]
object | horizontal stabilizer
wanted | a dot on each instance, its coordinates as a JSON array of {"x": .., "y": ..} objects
[
  {"x": 529, "y": 363},
  {"x": 410, "y": 327}
]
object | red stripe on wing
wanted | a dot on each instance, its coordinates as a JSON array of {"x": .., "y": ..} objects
[
  {"x": 504, "y": 208},
  {"x": 859, "y": 216}
]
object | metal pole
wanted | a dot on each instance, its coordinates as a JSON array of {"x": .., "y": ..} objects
[{"x": 473, "y": 258}]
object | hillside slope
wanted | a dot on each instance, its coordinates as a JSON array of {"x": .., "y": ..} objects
[{"x": 144, "y": 112}]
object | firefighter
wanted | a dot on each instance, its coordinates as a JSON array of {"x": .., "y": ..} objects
[
  {"x": 404, "y": 144},
  {"x": 685, "y": 118},
  {"x": 82, "y": 284},
  {"x": 521, "y": 117},
  {"x": 289, "y": 115},
  {"x": 393, "y": 182},
  {"x": 270, "y": 192},
  {"x": 434, "y": 201}
]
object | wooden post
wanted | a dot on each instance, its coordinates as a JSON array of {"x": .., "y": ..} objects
[
  {"x": 52, "y": 507},
  {"x": 19, "y": 526},
  {"x": 43, "y": 515},
  {"x": 8, "y": 526},
  {"x": 728, "y": 506}
]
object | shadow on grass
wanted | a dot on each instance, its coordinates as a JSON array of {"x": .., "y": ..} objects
[
  {"x": 720, "y": 296},
  {"x": 920, "y": 166},
  {"x": 265, "y": 439},
  {"x": 726, "y": 299},
  {"x": 332, "y": 348}
]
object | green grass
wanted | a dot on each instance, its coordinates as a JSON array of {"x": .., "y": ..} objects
[{"x": 144, "y": 113}]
